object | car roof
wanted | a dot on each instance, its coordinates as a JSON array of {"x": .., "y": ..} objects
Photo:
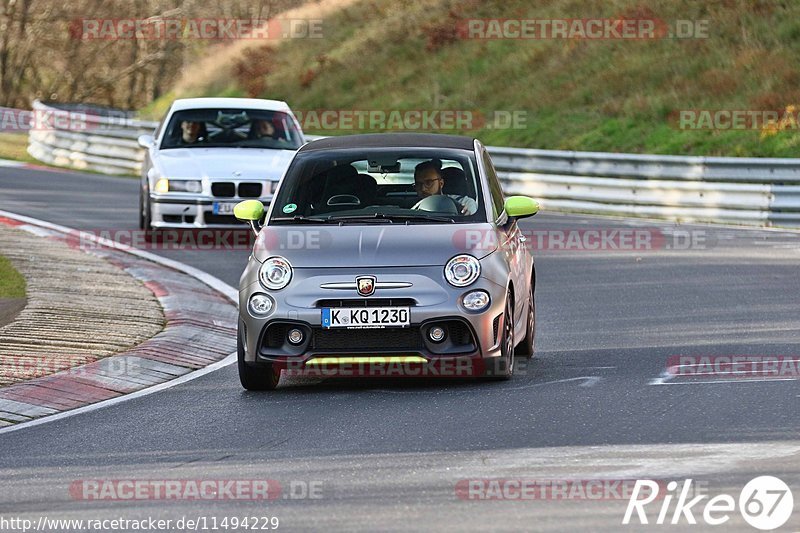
[
  {"x": 183, "y": 104},
  {"x": 391, "y": 140}
]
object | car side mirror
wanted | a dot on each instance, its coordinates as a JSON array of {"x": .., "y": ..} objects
[
  {"x": 251, "y": 211},
  {"x": 145, "y": 141},
  {"x": 520, "y": 206}
]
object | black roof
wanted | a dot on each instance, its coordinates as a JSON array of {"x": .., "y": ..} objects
[{"x": 391, "y": 140}]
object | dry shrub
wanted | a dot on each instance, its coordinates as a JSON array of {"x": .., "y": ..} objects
[{"x": 252, "y": 69}]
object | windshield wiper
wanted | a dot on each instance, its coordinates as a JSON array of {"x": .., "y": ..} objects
[
  {"x": 391, "y": 218},
  {"x": 299, "y": 219}
]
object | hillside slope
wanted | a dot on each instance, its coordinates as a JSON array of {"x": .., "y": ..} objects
[{"x": 577, "y": 94}]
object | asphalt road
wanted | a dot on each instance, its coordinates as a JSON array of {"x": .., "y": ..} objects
[{"x": 388, "y": 454}]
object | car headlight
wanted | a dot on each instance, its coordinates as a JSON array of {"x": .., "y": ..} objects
[
  {"x": 185, "y": 186},
  {"x": 275, "y": 273},
  {"x": 476, "y": 300},
  {"x": 260, "y": 305},
  {"x": 462, "y": 270}
]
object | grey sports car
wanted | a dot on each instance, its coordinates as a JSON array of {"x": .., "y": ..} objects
[{"x": 391, "y": 255}]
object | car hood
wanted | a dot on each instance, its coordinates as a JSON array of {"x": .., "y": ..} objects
[
  {"x": 377, "y": 245},
  {"x": 230, "y": 163}
]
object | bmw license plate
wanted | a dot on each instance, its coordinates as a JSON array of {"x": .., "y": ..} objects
[
  {"x": 365, "y": 317},
  {"x": 223, "y": 208}
]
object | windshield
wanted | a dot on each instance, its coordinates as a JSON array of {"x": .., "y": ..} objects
[
  {"x": 244, "y": 128},
  {"x": 381, "y": 185}
]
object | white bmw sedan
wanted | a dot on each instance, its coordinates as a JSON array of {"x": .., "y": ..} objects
[{"x": 208, "y": 154}]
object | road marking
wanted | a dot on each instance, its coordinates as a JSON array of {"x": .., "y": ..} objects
[
  {"x": 213, "y": 282},
  {"x": 671, "y": 373}
]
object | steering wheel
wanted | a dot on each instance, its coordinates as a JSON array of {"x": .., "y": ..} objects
[{"x": 438, "y": 203}]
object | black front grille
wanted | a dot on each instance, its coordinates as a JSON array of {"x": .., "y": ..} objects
[
  {"x": 249, "y": 190},
  {"x": 223, "y": 189},
  {"x": 459, "y": 333},
  {"x": 211, "y": 218},
  {"x": 367, "y": 302},
  {"x": 348, "y": 340}
]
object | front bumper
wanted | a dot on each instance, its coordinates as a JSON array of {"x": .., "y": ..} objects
[
  {"x": 187, "y": 212},
  {"x": 471, "y": 336}
]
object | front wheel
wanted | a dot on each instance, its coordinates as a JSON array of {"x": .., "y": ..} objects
[
  {"x": 526, "y": 345},
  {"x": 502, "y": 368},
  {"x": 263, "y": 377}
]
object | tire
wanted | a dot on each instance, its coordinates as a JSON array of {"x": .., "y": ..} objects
[
  {"x": 526, "y": 346},
  {"x": 502, "y": 368},
  {"x": 146, "y": 217},
  {"x": 255, "y": 378}
]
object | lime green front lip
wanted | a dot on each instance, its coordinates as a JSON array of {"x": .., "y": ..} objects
[{"x": 361, "y": 360}]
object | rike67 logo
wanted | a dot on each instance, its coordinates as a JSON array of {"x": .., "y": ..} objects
[{"x": 766, "y": 503}]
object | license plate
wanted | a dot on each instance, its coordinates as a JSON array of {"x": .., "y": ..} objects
[
  {"x": 365, "y": 317},
  {"x": 223, "y": 208}
]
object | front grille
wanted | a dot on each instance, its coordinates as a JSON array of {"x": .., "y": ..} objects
[
  {"x": 348, "y": 340},
  {"x": 367, "y": 302},
  {"x": 211, "y": 218},
  {"x": 459, "y": 333},
  {"x": 249, "y": 190},
  {"x": 275, "y": 335},
  {"x": 223, "y": 189}
]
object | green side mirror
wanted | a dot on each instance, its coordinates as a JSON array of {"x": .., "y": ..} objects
[
  {"x": 521, "y": 206},
  {"x": 249, "y": 210}
]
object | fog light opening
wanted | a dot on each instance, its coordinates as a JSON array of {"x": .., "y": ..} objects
[
  {"x": 436, "y": 333},
  {"x": 295, "y": 336}
]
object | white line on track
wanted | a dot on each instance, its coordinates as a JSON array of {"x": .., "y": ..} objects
[{"x": 215, "y": 283}]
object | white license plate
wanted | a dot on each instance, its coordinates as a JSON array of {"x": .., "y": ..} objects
[
  {"x": 365, "y": 317},
  {"x": 223, "y": 208}
]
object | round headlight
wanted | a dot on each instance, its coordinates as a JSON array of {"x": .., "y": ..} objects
[
  {"x": 462, "y": 270},
  {"x": 194, "y": 186},
  {"x": 260, "y": 305},
  {"x": 275, "y": 273},
  {"x": 476, "y": 300}
]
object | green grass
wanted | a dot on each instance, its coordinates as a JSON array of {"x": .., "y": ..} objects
[
  {"x": 12, "y": 284},
  {"x": 14, "y": 146},
  {"x": 608, "y": 95}
]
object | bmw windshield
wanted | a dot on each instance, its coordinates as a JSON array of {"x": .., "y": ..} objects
[{"x": 243, "y": 128}]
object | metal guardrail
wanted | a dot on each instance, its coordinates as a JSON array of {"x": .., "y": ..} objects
[
  {"x": 88, "y": 139},
  {"x": 751, "y": 191}
]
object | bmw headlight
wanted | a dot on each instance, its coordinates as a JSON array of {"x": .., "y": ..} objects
[
  {"x": 164, "y": 185},
  {"x": 185, "y": 186},
  {"x": 275, "y": 273},
  {"x": 462, "y": 270}
]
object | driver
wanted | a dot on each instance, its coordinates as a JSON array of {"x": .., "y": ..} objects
[
  {"x": 428, "y": 181},
  {"x": 191, "y": 132}
]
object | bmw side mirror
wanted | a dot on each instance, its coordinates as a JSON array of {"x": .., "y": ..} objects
[{"x": 145, "y": 141}]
